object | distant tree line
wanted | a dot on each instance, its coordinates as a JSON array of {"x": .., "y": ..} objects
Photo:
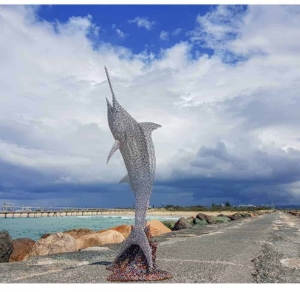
[{"x": 214, "y": 207}]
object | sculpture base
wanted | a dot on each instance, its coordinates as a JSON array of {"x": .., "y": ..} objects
[
  {"x": 134, "y": 276},
  {"x": 132, "y": 265}
]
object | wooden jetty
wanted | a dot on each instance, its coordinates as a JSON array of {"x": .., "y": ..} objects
[{"x": 63, "y": 213}]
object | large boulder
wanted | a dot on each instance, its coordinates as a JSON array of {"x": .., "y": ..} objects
[
  {"x": 198, "y": 222},
  {"x": 123, "y": 229},
  {"x": 46, "y": 235},
  {"x": 169, "y": 223},
  {"x": 98, "y": 239},
  {"x": 21, "y": 247},
  {"x": 78, "y": 232},
  {"x": 234, "y": 217},
  {"x": 204, "y": 217},
  {"x": 190, "y": 220},
  {"x": 157, "y": 228},
  {"x": 182, "y": 223},
  {"x": 6, "y": 246},
  {"x": 54, "y": 243},
  {"x": 220, "y": 219},
  {"x": 201, "y": 216},
  {"x": 244, "y": 215}
]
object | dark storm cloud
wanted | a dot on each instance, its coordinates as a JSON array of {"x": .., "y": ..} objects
[
  {"x": 206, "y": 190},
  {"x": 21, "y": 185},
  {"x": 16, "y": 177},
  {"x": 257, "y": 176},
  {"x": 266, "y": 107}
]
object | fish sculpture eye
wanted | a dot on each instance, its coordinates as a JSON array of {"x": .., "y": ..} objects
[{"x": 136, "y": 258}]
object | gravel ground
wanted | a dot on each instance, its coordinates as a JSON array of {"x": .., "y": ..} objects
[
  {"x": 245, "y": 251},
  {"x": 280, "y": 258}
]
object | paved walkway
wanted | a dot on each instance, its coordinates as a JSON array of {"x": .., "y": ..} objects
[{"x": 213, "y": 254}]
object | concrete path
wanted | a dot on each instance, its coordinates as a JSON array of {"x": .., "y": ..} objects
[
  {"x": 223, "y": 256},
  {"x": 212, "y": 254}
]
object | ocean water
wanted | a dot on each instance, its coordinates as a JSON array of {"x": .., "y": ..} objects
[{"x": 35, "y": 227}]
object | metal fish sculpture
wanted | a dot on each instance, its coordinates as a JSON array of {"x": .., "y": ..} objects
[{"x": 134, "y": 141}]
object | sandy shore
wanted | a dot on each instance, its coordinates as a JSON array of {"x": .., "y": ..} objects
[{"x": 165, "y": 213}]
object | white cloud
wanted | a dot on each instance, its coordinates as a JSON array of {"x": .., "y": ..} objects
[
  {"x": 53, "y": 110},
  {"x": 143, "y": 22},
  {"x": 176, "y": 31},
  {"x": 120, "y": 33},
  {"x": 218, "y": 26},
  {"x": 260, "y": 33},
  {"x": 164, "y": 35}
]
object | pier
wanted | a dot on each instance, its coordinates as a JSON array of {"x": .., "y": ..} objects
[{"x": 11, "y": 211}]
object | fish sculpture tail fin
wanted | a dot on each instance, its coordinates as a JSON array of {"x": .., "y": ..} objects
[{"x": 137, "y": 237}]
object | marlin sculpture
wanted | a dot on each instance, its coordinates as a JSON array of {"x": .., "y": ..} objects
[{"x": 134, "y": 141}]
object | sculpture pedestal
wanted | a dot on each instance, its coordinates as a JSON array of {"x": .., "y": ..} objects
[{"x": 132, "y": 265}]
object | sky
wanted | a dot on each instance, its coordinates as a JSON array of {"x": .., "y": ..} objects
[{"x": 223, "y": 81}]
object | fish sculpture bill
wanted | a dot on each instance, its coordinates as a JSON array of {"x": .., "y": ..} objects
[{"x": 135, "y": 261}]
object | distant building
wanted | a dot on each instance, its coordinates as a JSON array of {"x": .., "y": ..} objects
[{"x": 245, "y": 206}]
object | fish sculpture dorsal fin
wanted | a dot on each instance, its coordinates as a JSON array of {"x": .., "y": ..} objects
[
  {"x": 149, "y": 127},
  {"x": 125, "y": 179},
  {"x": 114, "y": 148}
]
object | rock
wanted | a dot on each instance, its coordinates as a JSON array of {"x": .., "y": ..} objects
[
  {"x": 222, "y": 219},
  {"x": 204, "y": 217},
  {"x": 54, "y": 243},
  {"x": 46, "y": 235},
  {"x": 169, "y": 223},
  {"x": 235, "y": 216},
  {"x": 157, "y": 228},
  {"x": 123, "y": 229},
  {"x": 221, "y": 215},
  {"x": 201, "y": 216},
  {"x": 78, "y": 232},
  {"x": 244, "y": 215},
  {"x": 6, "y": 246},
  {"x": 199, "y": 222},
  {"x": 295, "y": 213},
  {"x": 182, "y": 223},
  {"x": 238, "y": 214},
  {"x": 98, "y": 239},
  {"x": 21, "y": 247},
  {"x": 190, "y": 219}
]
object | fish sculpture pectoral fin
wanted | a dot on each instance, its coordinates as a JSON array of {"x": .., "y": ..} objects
[
  {"x": 125, "y": 179},
  {"x": 115, "y": 147}
]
